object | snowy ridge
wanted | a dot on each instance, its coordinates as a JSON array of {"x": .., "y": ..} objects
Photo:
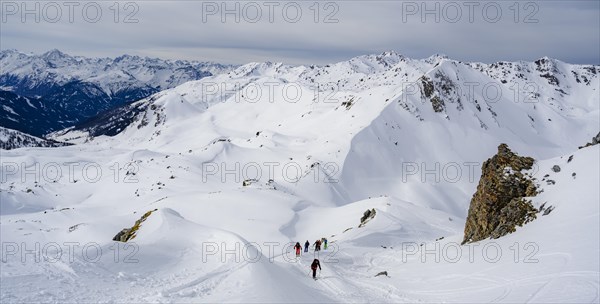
[{"x": 385, "y": 116}]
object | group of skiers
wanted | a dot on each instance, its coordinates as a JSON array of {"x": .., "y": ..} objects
[{"x": 317, "y": 245}]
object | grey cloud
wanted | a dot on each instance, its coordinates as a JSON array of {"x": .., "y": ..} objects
[{"x": 567, "y": 30}]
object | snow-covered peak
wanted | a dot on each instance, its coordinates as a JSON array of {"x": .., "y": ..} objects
[
  {"x": 54, "y": 54},
  {"x": 257, "y": 69},
  {"x": 28, "y": 72},
  {"x": 436, "y": 58}
]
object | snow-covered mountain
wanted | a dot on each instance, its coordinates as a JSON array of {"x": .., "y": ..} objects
[
  {"x": 383, "y": 110},
  {"x": 209, "y": 174},
  {"x": 75, "y": 88}
]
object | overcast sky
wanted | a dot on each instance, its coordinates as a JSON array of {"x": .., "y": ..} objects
[{"x": 306, "y": 32}]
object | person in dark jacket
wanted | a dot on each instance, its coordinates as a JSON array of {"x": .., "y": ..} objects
[
  {"x": 318, "y": 245},
  {"x": 314, "y": 266},
  {"x": 306, "y": 245},
  {"x": 298, "y": 248}
]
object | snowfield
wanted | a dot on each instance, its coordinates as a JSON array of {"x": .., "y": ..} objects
[{"x": 238, "y": 167}]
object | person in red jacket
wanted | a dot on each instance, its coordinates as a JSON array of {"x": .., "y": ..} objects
[
  {"x": 314, "y": 266},
  {"x": 298, "y": 248}
]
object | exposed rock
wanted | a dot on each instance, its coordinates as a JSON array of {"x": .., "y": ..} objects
[
  {"x": 547, "y": 210},
  {"x": 383, "y": 273},
  {"x": 555, "y": 168},
  {"x": 249, "y": 182},
  {"x": 428, "y": 90},
  {"x": 348, "y": 104},
  {"x": 367, "y": 216},
  {"x": 74, "y": 227},
  {"x": 437, "y": 104},
  {"x": 122, "y": 235},
  {"x": 128, "y": 234},
  {"x": 497, "y": 206},
  {"x": 595, "y": 141},
  {"x": 517, "y": 212}
]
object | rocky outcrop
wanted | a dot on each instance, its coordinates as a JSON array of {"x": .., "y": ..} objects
[
  {"x": 595, "y": 141},
  {"x": 499, "y": 205},
  {"x": 367, "y": 216},
  {"x": 128, "y": 234},
  {"x": 249, "y": 182},
  {"x": 383, "y": 273}
]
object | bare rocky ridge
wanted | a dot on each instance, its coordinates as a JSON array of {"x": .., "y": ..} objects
[{"x": 499, "y": 205}]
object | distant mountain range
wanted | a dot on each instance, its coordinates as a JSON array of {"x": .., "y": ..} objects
[
  {"x": 72, "y": 98},
  {"x": 52, "y": 91}
]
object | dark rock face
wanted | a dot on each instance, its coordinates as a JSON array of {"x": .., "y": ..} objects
[
  {"x": 556, "y": 168},
  {"x": 498, "y": 205},
  {"x": 428, "y": 90}
]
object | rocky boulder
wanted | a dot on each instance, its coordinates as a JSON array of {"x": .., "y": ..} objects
[{"x": 498, "y": 206}]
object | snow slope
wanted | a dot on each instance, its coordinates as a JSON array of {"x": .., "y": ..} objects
[{"x": 240, "y": 166}]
